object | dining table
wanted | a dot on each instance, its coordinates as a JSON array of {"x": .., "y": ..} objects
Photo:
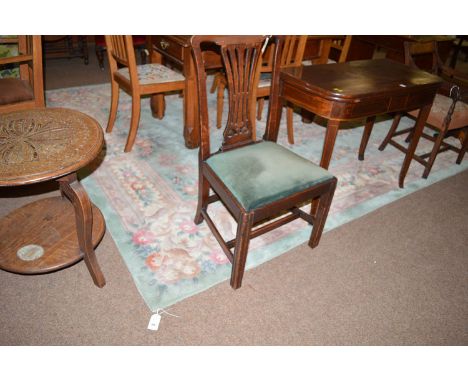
[{"x": 354, "y": 90}]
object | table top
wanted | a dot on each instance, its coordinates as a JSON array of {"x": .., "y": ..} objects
[
  {"x": 351, "y": 80},
  {"x": 46, "y": 143}
]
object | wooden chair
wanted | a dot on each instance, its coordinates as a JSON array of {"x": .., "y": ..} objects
[
  {"x": 255, "y": 180},
  {"x": 292, "y": 54},
  {"x": 332, "y": 51},
  {"x": 136, "y": 80},
  {"x": 449, "y": 112},
  {"x": 27, "y": 91},
  {"x": 139, "y": 42},
  {"x": 341, "y": 47}
]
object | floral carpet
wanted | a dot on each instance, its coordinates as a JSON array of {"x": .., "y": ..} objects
[{"x": 149, "y": 196}]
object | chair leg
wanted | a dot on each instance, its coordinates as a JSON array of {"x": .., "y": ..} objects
[
  {"x": 136, "y": 106},
  {"x": 261, "y": 102},
  {"x": 100, "y": 56},
  {"x": 220, "y": 104},
  {"x": 203, "y": 193},
  {"x": 434, "y": 152},
  {"x": 396, "y": 122},
  {"x": 113, "y": 106},
  {"x": 321, "y": 214},
  {"x": 143, "y": 56},
  {"x": 241, "y": 249},
  {"x": 289, "y": 124},
  {"x": 215, "y": 84},
  {"x": 464, "y": 147},
  {"x": 409, "y": 136}
]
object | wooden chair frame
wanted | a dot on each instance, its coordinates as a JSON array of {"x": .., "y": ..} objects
[
  {"x": 452, "y": 87},
  {"x": 29, "y": 59},
  {"x": 292, "y": 54},
  {"x": 241, "y": 77},
  {"x": 120, "y": 51}
]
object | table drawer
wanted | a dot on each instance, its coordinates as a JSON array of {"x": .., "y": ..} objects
[{"x": 168, "y": 47}]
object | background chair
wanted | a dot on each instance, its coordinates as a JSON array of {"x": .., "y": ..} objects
[
  {"x": 139, "y": 43},
  {"x": 448, "y": 115},
  {"x": 331, "y": 51},
  {"x": 136, "y": 80},
  {"x": 27, "y": 90},
  {"x": 256, "y": 181}
]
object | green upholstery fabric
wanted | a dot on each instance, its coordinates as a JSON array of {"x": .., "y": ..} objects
[{"x": 262, "y": 173}]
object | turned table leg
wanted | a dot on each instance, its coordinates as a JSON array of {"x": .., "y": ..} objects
[{"x": 72, "y": 188}]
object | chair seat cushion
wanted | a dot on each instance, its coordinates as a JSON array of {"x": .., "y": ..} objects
[
  {"x": 261, "y": 173},
  {"x": 440, "y": 109},
  {"x": 14, "y": 90},
  {"x": 153, "y": 74}
]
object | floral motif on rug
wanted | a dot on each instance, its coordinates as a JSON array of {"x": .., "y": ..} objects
[{"x": 149, "y": 196}]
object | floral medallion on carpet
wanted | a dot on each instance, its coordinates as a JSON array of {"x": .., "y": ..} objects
[{"x": 149, "y": 196}]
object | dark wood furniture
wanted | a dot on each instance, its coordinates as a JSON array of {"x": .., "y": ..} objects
[
  {"x": 363, "y": 47},
  {"x": 357, "y": 89},
  {"x": 448, "y": 115},
  {"x": 460, "y": 45},
  {"x": 28, "y": 90},
  {"x": 38, "y": 145},
  {"x": 136, "y": 80},
  {"x": 256, "y": 181},
  {"x": 177, "y": 51},
  {"x": 291, "y": 57},
  {"x": 322, "y": 49},
  {"x": 66, "y": 47}
]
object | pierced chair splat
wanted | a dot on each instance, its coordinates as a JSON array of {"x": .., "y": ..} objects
[{"x": 255, "y": 180}]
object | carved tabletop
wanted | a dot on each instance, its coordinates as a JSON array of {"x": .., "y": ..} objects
[
  {"x": 37, "y": 145},
  {"x": 42, "y": 144}
]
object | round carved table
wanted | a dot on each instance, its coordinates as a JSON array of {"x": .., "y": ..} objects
[{"x": 38, "y": 145}]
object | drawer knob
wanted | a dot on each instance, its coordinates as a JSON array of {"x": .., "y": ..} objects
[{"x": 164, "y": 44}]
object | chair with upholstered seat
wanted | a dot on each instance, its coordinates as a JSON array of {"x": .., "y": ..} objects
[
  {"x": 26, "y": 90},
  {"x": 136, "y": 80},
  {"x": 255, "y": 180},
  {"x": 449, "y": 112}
]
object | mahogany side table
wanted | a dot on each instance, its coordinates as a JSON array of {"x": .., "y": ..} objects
[{"x": 38, "y": 145}]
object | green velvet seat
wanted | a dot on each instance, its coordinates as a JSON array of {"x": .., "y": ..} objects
[{"x": 262, "y": 173}]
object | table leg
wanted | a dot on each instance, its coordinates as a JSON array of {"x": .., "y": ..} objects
[
  {"x": 157, "y": 103},
  {"x": 329, "y": 143},
  {"x": 365, "y": 136},
  {"x": 418, "y": 128},
  {"x": 158, "y": 106},
  {"x": 191, "y": 117},
  {"x": 72, "y": 188}
]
